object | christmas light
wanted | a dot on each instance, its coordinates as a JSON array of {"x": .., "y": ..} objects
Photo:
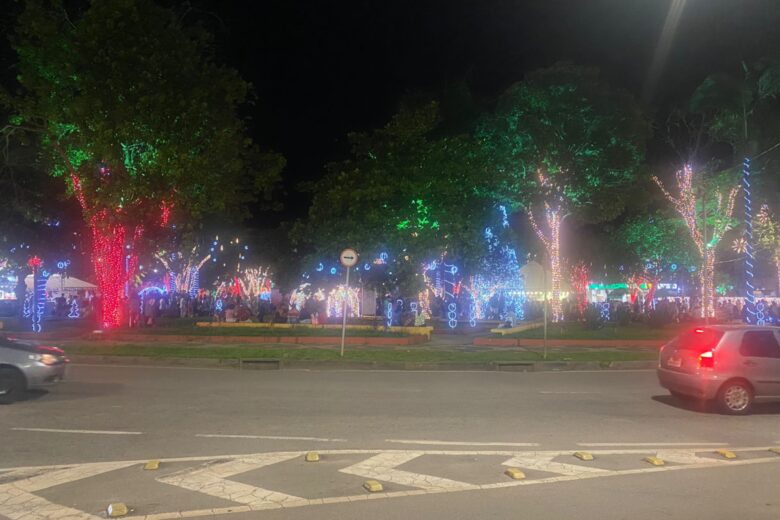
[
  {"x": 336, "y": 299},
  {"x": 74, "y": 309},
  {"x": 553, "y": 214},
  {"x": 751, "y": 313},
  {"x": 685, "y": 205},
  {"x": 580, "y": 279}
]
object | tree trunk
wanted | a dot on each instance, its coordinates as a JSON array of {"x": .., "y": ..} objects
[
  {"x": 777, "y": 269},
  {"x": 555, "y": 268},
  {"x": 707, "y": 278},
  {"x": 111, "y": 269}
]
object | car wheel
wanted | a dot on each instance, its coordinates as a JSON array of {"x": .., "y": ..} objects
[
  {"x": 11, "y": 385},
  {"x": 735, "y": 397}
]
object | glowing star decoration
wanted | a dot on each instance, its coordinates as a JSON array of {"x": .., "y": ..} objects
[
  {"x": 686, "y": 206},
  {"x": 553, "y": 217},
  {"x": 336, "y": 297}
]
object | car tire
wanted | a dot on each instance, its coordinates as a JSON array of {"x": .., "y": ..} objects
[
  {"x": 735, "y": 397},
  {"x": 12, "y": 385}
]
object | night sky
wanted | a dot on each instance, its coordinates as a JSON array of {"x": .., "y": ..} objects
[{"x": 321, "y": 69}]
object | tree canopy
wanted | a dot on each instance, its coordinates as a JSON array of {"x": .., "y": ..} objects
[{"x": 130, "y": 100}]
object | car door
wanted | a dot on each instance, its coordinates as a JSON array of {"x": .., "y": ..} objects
[{"x": 760, "y": 361}]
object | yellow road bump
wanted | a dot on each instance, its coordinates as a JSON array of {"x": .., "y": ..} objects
[
  {"x": 514, "y": 473},
  {"x": 775, "y": 450},
  {"x": 726, "y": 454},
  {"x": 312, "y": 456},
  {"x": 372, "y": 486},
  {"x": 116, "y": 510},
  {"x": 655, "y": 461},
  {"x": 583, "y": 455},
  {"x": 152, "y": 465}
]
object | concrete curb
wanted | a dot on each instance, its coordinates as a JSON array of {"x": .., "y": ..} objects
[{"x": 276, "y": 364}]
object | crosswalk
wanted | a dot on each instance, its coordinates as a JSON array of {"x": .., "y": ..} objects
[{"x": 32, "y": 493}]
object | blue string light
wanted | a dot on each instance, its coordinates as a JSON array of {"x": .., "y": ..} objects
[
  {"x": 472, "y": 314},
  {"x": 604, "y": 310},
  {"x": 74, "y": 309},
  {"x": 389, "y": 313},
  {"x": 40, "y": 276},
  {"x": 452, "y": 315},
  {"x": 751, "y": 312}
]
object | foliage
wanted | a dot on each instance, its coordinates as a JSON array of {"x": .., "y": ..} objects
[
  {"x": 658, "y": 239},
  {"x": 404, "y": 189},
  {"x": 584, "y": 136},
  {"x": 124, "y": 88}
]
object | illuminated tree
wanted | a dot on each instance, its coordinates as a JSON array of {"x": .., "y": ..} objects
[
  {"x": 767, "y": 231},
  {"x": 705, "y": 231},
  {"x": 135, "y": 114},
  {"x": 563, "y": 142}
]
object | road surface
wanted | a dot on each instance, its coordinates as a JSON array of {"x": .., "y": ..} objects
[{"x": 232, "y": 446}]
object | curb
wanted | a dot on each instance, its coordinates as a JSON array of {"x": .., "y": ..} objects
[{"x": 277, "y": 364}]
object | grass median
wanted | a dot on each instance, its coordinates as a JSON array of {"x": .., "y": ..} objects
[
  {"x": 412, "y": 355},
  {"x": 577, "y": 331}
]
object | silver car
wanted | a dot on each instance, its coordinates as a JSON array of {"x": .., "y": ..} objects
[
  {"x": 25, "y": 367},
  {"x": 735, "y": 365}
]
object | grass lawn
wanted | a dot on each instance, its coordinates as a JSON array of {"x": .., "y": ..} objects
[
  {"x": 412, "y": 355},
  {"x": 257, "y": 331},
  {"x": 575, "y": 330}
]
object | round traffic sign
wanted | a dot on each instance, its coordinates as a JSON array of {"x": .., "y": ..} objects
[{"x": 348, "y": 257}]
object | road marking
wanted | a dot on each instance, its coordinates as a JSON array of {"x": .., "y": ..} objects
[
  {"x": 648, "y": 444},
  {"x": 18, "y": 501},
  {"x": 266, "y": 437},
  {"x": 566, "y": 393},
  {"x": 89, "y": 432},
  {"x": 212, "y": 479},
  {"x": 383, "y": 467},
  {"x": 458, "y": 443}
]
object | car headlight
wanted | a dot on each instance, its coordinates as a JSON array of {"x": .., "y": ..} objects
[{"x": 46, "y": 359}]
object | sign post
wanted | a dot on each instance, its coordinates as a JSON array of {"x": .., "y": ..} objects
[{"x": 348, "y": 258}]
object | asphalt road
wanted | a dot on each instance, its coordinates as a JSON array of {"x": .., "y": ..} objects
[{"x": 438, "y": 442}]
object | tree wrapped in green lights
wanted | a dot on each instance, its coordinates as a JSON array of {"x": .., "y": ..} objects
[
  {"x": 564, "y": 143},
  {"x": 133, "y": 111}
]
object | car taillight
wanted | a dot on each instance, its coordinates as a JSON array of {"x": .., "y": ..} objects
[{"x": 707, "y": 359}]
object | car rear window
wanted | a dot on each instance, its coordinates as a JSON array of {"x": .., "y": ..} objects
[{"x": 698, "y": 339}]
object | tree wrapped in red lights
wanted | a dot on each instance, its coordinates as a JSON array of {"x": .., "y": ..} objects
[
  {"x": 563, "y": 142},
  {"x": 580, "y": 281},
  {"x": 130, "y": 107},
  {"x": 705, "y": 231}
]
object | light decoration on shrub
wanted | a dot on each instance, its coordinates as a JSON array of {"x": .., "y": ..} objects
[
  {"x": 553, "y": 216},
  {"x": 143, "y": 293},
  {"x": 686, "y": 206},
  {"x": 336, "y": 299},
  {"x": 500, "y": 278}
]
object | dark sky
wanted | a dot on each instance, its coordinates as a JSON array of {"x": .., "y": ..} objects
[{"x": 324, "y": 68}]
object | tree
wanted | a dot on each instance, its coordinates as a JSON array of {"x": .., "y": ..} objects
[
  {"x": 135, "y": 114},
  {"x": 703, "y": 213},
  {"x": 657, "y": 244},
  {"x": 565, "y": 143},
  {"x": 768, "y": 236},
  {"x": 743, "y": 112},
  {"x": 406, "y": 189}
]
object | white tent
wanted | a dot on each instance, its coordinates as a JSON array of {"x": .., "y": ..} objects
[
  {"x": 59, "y": 284},
  {"x": 534, "y": 275}
]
